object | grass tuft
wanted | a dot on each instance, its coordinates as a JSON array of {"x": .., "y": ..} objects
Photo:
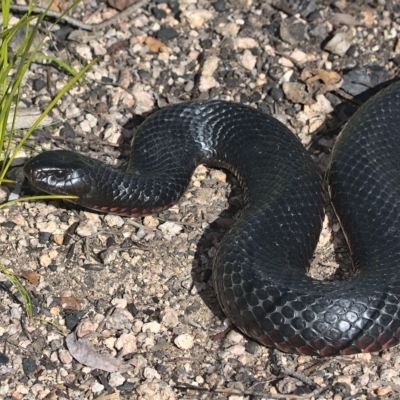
[
  {"x": 25, "y": 296},
  {"x": 13, "y": 67}
]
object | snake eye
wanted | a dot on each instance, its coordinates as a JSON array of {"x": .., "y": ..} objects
[{"x": 59, "y": 174}]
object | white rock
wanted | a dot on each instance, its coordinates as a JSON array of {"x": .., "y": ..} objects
[
  {"x": 65, "y": 356},
  {"x": 388, "y": 374},
  {"x": 91, "y": 119},
  {"x": 144, "y": 99},
  {"x": 119, "y": 303},
  {"x": 340, "y": 43},
  {"x": 98, "y": 49},
  {"x": 153, "y": 327},
  {"x": 285, "y": 62},
  {"x": 114, "y": 220},
  {"x": 234, "y": 336},
  {"x": 137, "y": 326},
  {"x": 85, "y": 126},
  {"x": 16, "y": 312},
  {"x": 246, "y": 43},
  {"x": 158, "y": 390},
  {"x": 112, "y": 133},
  {"x": 207, "y": 80},
  {"x": 207, "y": 83},
  {"x": 89, "y": 226},
  {"x": 151, "y": 373},
  {"x": 300, "y": 57},
  {"x": 169, "y": 318},
  {"x": 248, "y": 60},
  {"x": 184, "y": 341},
  {"x": 120, "y": 319},
  {"x": 48, "y": 226},
  {"x": 116, "y": 379},
  {"x": 170, "y": 228},
  {"x": 46, "y": 259},
  {"x": 197, "y": 18},
  {"x": 110, "y": 342},
  {"x": 72, "y": 112},
  {"x": 151, "y": 222},
  {"x": 4, "y": 389},
  {"x": 228, "y": 30},
  {"x": 97, "y": 387},
  {"x": 84, "y": 51},
  {"x": 127, "y": 343},
  {"x": 237, "y": 349}
]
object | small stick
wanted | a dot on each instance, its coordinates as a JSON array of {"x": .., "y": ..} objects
[{"x": 297, "y": 375}]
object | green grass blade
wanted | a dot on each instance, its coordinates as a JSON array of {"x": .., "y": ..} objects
[
  {"x": 69, "y": 68},
  {"x": 38, "y": 197},
  {"x": 26, "y": 298}
]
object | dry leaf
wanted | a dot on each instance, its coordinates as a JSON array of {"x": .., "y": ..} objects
[
  {"x": 84, "y": 352},
  {"x": 297, "y": 93},
  {"x": 70, "y": 302},
  {"x": 155, "y": 45},
  {"x": 328, "y": 77},
  {"x": 31, "y": 277}
]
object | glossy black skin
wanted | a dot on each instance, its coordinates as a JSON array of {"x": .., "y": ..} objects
[{"x": 259, "y": 271}]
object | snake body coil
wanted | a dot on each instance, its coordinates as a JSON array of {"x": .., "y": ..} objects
[{"x": 259, "y": 271}]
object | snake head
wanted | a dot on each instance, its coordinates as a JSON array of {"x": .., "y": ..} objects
[{"x": 59, "y": 172}]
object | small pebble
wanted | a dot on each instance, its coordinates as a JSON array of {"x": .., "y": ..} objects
[
  {"x": 97, "y": 387},
  {"x": 119, "y": 303},
  {"x": 340, "y": 43},
  {"x": 170, "y": 228},
  {"x": 197, "y": 18},
  {"x": 153, "y": 327},
  {"x": 383, "y": 391},
  {"x": 236, "y": 350},
  {"x": 3, "y": 358},
  {"x": 39, "y": 84},
  {"x": 65, "y": 356},
  {"x": 126, "y": 343},
  {"x": 248, "y": 60},
  {"x": 116, "y": 379},
  {"x": 72, "y": 320},
  {"x": 167, "y": 33},
  {"x": 292, "y": 30},
  {"x": 234, "y": 336},
  {"x": 151, "y": 373},
  {"x": 169, "y": 318},
  {"x": 219, "y": 5},
  {"x": 184, "y": 341},
  {"x": 28, "y": 365},
  {"x": 159, "y": 13}
]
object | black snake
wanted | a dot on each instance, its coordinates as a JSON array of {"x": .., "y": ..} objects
[{"x": 259, "y": 271}]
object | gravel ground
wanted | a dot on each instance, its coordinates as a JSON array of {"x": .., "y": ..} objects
[{"x": 141, "y": 288}]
